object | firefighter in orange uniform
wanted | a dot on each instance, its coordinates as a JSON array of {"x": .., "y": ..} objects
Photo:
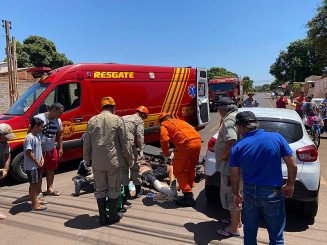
[{"x": 187, "y": 143}]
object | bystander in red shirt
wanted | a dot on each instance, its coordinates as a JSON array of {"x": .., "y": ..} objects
[
  {"x": 281, "y": 102},
  {"x": 300, "y": 100}
]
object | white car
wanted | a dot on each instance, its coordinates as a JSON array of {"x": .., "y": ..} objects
[
  {"x": 290, "y": 126},
  {"x": 318, "y": 101}
]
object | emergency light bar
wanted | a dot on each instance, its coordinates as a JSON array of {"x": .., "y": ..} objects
[{"x": 38, "y": 72}]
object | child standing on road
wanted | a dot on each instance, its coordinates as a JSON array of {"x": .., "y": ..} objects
[{"x": 33, "y": 161}]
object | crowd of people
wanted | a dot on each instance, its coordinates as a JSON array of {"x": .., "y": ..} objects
[
  {"x": 249, "y": 160},
  {"x": 40, "y": 153},
  {"x": 110, "y": 149},
  {"x": 309, "y": 111},
  {"x": 113, "y": 148}
]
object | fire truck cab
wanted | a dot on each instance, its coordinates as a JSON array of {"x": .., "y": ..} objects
[
  {"x": 180, "y": 91},
  {"x": 225, "y": 87}
]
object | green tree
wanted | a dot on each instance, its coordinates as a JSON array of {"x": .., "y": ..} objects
[
  {"x": 247, "y": 84},
  {"x": 23, "y": 59},
  {"x": 299, "y": 61},
  {"x": 296, "y": 87},
  {"x": 274, "y": 85},
  {"x": 265, "y": 87},
  {"x": 317, "y": 33},
  {"x": 215, "y": 72},
  {"x": 39, "y": 51}
]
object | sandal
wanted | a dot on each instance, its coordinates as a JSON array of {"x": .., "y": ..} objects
[
  {"x": 227, "y": 233},
  {"x": 39, "y": 207},
  {"x": 228, "y": 221},
  {"x": 53, "y": 193},
  {"x": 42, "y": 201},
  {"x": 225, "y": 221},
  {"x": 2, "y": 216}
]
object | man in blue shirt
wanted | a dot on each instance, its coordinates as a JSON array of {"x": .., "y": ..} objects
[{"x": 258, "y": 155}]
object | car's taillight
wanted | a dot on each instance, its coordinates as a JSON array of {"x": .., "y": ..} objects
[
  {"x": 307, "y": 154},
  {"x": 211, "y": 144}
]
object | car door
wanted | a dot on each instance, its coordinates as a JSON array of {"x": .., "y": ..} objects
[{"x": 202, "y": 98}]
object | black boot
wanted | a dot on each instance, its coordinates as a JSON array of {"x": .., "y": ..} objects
[
  {"x": 127, "y": 196},
  {"x": 138, "y": 191},
  {"x": 187, "y": 200},
  {"x": 114, "y": 216},
  {"x": 79, "y": 183},
  {"x": 102, "y": 211}
]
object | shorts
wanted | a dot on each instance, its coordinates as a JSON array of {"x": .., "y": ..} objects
[
  {"x": 161, "y": 172},
  {"x": 33, "y": 175},
  {"x": 150, "y": 176},
  {"x": 226, "y": 193},
  {"x": 50, "y": 159}
]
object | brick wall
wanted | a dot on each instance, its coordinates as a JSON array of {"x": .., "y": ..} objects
[
  {"x": 21, "y": 74},
  {"x": 4, "y": 92}
]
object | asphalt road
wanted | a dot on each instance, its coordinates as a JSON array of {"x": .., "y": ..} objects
[{"x": 71, "y": 220}]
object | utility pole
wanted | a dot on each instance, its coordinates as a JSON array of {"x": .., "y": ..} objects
[
  {"x": 15, "y": 77},
  {"x": 11, "y": 67}
]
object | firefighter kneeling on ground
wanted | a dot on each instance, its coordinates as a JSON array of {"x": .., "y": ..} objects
[
  {"x": 106, "y": 146},
  {"x": 135, "y": 132},
  {"x": 187, "y": 143}
]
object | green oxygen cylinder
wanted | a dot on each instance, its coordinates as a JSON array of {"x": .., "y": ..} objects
[{"x": 120, "y": 200}]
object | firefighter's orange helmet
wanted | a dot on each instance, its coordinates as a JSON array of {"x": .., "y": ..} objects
[
  {"x": 143, "y": 109},
  {"x": 162, "y": 115},
  {"x": 108, "y": 101}
]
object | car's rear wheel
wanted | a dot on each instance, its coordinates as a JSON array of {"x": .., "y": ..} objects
[
  {"x": 212, "y": 193},
  {"x": 310, "y": 209},
  {"x": 18, "y": 168}
]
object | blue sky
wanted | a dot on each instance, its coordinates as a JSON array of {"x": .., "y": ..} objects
[{"x": 243, "y": 36}]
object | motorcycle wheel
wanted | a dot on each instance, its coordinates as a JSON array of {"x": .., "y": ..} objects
[{"x": 316, "y": 137}]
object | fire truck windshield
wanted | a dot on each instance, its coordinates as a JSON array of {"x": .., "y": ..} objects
[
  {"x": 27, "y": 99},
  {"x": 220, "y": 87}
]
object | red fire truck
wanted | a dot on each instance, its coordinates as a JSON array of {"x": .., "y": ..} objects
[
  {"x": 225, "y": 87},
  {"x": 180, "y": 91}
]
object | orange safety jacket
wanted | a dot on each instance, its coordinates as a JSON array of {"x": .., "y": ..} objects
[{"x": 178, "y": 132}]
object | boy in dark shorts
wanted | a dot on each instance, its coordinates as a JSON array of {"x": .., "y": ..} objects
[{"x": 33, "y": 161}]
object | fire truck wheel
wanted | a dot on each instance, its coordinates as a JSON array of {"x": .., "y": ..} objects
[{"x": 18, "y": 168}]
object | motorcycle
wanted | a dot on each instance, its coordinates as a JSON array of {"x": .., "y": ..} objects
[
  {"x": 323, "y": 115},
  {"x": 314, "y": 126},
  {"x": 324, "y": 119}
]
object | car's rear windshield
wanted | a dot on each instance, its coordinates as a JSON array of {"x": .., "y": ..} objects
[{"x": 290, "y": 130}]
